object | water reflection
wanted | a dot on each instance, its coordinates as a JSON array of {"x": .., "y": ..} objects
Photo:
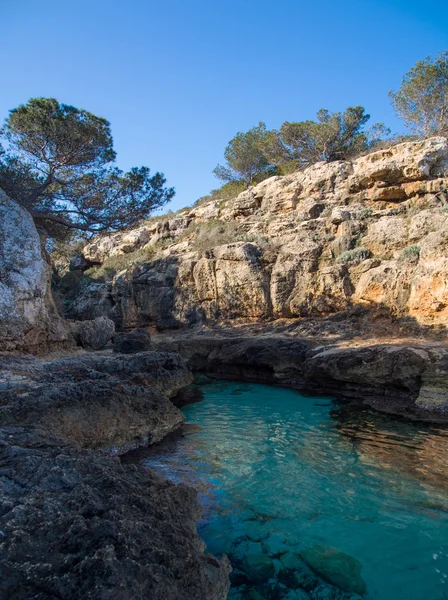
[{"x": 418, "y": 451}]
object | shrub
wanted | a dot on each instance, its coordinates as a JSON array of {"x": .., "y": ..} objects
[
  {"x": 364, "y": 213},
  {"x": 356, "y": 255},
  {"x": 411, "y": 253},
  {"x": 213, "y": 233},
  {"x": 114, "y": 264}
]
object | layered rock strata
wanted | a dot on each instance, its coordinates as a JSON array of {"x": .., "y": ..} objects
[
  {"x": 97, "y": 400},
  {"x": 369, "y": 234}
]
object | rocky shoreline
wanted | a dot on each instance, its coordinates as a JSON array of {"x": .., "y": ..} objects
[
  {"x": 323, "y": 275},
  {"x": 74, "y": 521},
  {"x": 405, "y": 379}
]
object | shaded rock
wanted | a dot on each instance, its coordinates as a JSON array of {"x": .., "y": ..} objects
[
  {"x": 80, "y": 263},
  {"x": 130, "y": 342},
  {"x": 93, "y": 334},
  {"x": 118, "y": 402},
  {"x": 78, "y": 525},
  {"x": 335, "y": 566}
]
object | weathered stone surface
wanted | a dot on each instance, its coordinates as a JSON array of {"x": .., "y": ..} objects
[
  {"x": 137, "y": 340},
  {"x": 93, "y": 334},
  {"x": 79, "y": 525},
  {"x": 98, "y": 400},
  {"x": 28, "y": 317},
  {"x": 318, "y": 242}
]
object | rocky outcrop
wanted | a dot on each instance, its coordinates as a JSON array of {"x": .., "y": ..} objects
[
  {"x": 410, "y": 380},
  {"x": 130, "y": 342},
  {"x": 93, "y": 334},
  {"x": 97, "y": 400},
  {"x": 28, "y": 317},
  {"x": 74, "y": 521},
  {"x": 367, "y": 234},
  {"x": 79, "y": 525}
]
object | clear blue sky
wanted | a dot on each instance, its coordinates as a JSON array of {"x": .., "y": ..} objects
[{"x": 177, "y": 79}]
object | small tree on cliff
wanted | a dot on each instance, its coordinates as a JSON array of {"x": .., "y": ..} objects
[
  {"x": 333, "y": 136},
  {"x": 246, "y": 158},
  {"x": 58, "y": 163},
  {"x": 422, "y": 100}
]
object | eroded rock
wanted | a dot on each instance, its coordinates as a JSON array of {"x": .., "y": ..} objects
[
  {"x": 94, "y": 334},
  {"x": 79, "y": 525},
  {"x": 28, "y": 317}
]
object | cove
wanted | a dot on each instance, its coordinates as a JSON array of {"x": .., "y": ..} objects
[{"x": 288, "y": 482}]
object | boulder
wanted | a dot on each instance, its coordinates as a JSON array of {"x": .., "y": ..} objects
[
  {"x": 132, "y": 341},
  {"x": 95, "y": 334},
  {"x": 80, "y": 263},
  {"x": 335, "y": 566}
]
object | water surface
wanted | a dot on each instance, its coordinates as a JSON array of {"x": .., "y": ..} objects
[{"x": 281, "y": 473}]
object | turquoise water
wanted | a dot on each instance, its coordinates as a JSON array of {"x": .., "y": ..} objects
[{"x": 283, "y": 476}]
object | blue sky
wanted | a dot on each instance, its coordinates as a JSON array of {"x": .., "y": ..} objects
[{"x": 178, "y": 79}]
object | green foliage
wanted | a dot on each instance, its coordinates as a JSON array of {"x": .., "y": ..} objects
[
  {"x": 227, "y": 191},
  {"x": 246, "y": 158},
  {"x": 212, "y": 233},
  {"x": 411, "y": 253},
  {"x": 334, "y": 136},
  {"x": 422, "y": 100},
  {"x": 364, "y": 213},
  {"x": 259, "y": 153},
  {"x": 115, "y": 264},
  {"x": 58, "y": 164},
  {"x": 356, "y": 255},
  {"x": 209, "y": 234}
]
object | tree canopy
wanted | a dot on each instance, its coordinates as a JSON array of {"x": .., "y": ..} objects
[
  {"x": 58, "y": 164},
  {"x": 333, "y": 136},
  {"x": 422, "y": 100},
  {"x": 259, "y": 153},
  {"x": 245, "y": 156}
]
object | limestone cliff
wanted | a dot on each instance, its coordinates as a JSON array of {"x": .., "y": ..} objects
[
  {"x": 28, "y": 317},
  {"x": 369, "y": 235}
]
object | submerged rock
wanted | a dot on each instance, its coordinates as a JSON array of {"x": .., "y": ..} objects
[
  {"x": 258, "y": 565},
  {"x": 137, "y": 340},
  {"x": 335, "y": 566}
]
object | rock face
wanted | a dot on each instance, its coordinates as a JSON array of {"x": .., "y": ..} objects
[
  {"x": 410, "y": 380},
  {"x": 133, "y": 341},
  {"x": 75, "y": 522},
  {"x": 113, "y": 402},
  {"x": 369, "y": 234},
  {"x": 79, "y": 525},
  {"x": 28, "y": 317},
  {"x": 93, "y": 334}
]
